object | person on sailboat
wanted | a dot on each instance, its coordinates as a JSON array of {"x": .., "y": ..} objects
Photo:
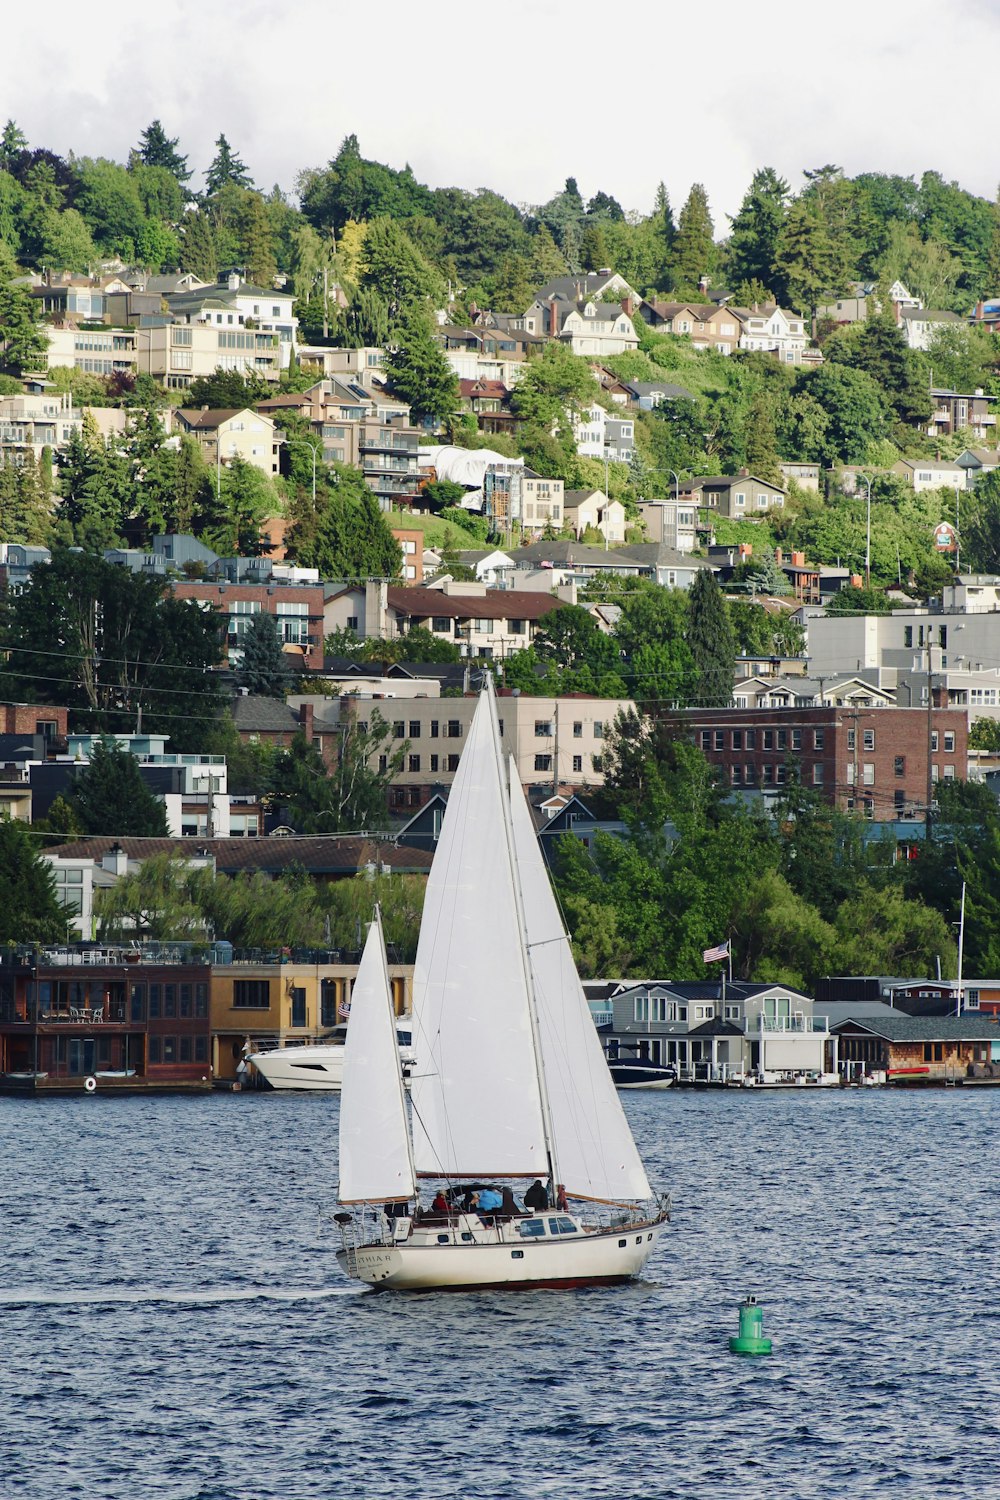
[
  {"x": 489, "y": 1200},
  {"x": 440, "y": 1204},
  {"x": 536, "y": 1196},
  {"x": 561, "y": 1203},
  {"x": 509, "y": 1204}
]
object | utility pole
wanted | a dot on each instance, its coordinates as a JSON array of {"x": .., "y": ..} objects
[{"x": 930, "y": 743}]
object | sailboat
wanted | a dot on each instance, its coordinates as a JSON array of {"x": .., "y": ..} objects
[{"x": 510, "y": 1083}]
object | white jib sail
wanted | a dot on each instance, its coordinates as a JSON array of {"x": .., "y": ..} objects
[
  {"x": 375, "y": 1161},
  {"x": 594, "y": 1147},
  {"x": 474, "y": 1086}
]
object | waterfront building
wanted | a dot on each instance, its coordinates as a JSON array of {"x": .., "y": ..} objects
[{"x": 132, "y": 1018}]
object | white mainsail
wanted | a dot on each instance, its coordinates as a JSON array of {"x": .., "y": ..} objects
[
  {"x": 376, "y": 1165},
  {"x": 594, "y": 1147},
  {"x": 474, "y": 1088}
]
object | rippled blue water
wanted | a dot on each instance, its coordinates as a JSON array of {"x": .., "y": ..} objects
[{"x": 174, "y": 1323}]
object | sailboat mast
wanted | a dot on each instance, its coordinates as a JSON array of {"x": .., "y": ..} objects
[{"x": 522, "y": 928}]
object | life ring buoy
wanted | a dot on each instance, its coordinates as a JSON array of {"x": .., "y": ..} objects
[{"x": 90, "y": 1084}]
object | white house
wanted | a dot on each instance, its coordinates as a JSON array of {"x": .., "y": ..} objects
[
  {"x": 599, "y": 330},
  {"x": 772, "y": 328},
  {"x": 919, "y": 324}
]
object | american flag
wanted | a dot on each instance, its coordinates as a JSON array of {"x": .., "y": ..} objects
[
  {"x": 712, "y": 955},
  {"x": 344, "y": 1009}
]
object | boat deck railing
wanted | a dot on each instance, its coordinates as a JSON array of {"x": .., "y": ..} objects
[{"x": 369, "y": 1224}]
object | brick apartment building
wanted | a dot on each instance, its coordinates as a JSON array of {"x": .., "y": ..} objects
[
  {"x": 881, "y": 762},
  {"x": 297, "y": 607}
]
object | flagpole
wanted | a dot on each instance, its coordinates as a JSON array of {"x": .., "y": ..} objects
[{"x": 729, "y": 955}]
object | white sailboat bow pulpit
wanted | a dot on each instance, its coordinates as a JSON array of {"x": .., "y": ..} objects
[{"x": 509, "y": 1080}]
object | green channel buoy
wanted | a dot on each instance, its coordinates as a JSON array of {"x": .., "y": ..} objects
[{"x": 750, "y": 1339}]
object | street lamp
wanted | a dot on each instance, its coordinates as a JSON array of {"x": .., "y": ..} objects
[{"x": 305, "y": 443}]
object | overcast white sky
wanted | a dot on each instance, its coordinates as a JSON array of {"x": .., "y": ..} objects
[{"x": 518, "y": 97}]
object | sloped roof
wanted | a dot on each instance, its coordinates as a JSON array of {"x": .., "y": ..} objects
[
  {"x": 503, "y": 604},
  {"x": 268, "y": 715},
  {"x": 321, "y": 854},
  {"x": 902, "y": 1028}
]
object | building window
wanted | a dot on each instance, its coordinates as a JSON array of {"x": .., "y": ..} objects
[
  {"x": 949, "y": 740},
  {"x": 543, "y": 728},
  {"x": 414, "y": 763},
  {"x": 817, "y": 775},
  {"x": 934, "y": 739},
  {"x": 852, "y": 736},
  {"x": 782, "y": 739},
  {"x": 598, "y": 729},
  {"x": 907, "y": 635},
  {"x": 751, "y": 739},
  {"x": 453, "y": 763},
  {"x": 869, "y": 739},
  {"x": 737, "y": 739},
  {"x": 414, "y": 729},
  {"x": 767, "y": 775},
  {"x": 298, "y": 1006},
  {"x": 720, "y": 739},
  {"x": 706, "y": 739},
  {"x": 454, "y": 729},
  {"x": 768, "y": 739},
  {"x": 434, "y": 762},
  {"x": 251, "y": 994},
  {"x": 399, "y": 730},
  {"x": 868, "y": 773},
  {"x": 899, "y": 765},
  {"x": 434, "y": 729},
  {"x": 578, "y": 763},
  {"x": 441, "y": 624},
  {"x": 796, "y": 739},
  {"x": 749, "y": 774},
  {"x": 543, "y": 763},
  {"x": 577, "y": 730},
  {"x": 737, "y": 775}
]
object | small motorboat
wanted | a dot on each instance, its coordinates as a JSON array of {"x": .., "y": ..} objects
[{"x": 640, "y": 1073}]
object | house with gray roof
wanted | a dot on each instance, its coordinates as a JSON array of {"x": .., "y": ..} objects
[{"x": 921, "y": 1049}]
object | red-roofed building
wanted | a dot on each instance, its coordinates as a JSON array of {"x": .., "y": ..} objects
[{"x": 482, "y": 622}]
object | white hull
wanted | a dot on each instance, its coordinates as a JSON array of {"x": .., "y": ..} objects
[
  {"x": 503, "y": 1260},
  {"x": 300, "y": 1068},
  {"x": 318, "y": 1068}
]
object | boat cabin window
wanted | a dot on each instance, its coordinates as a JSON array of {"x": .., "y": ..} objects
[
  {"x": 404, "y": 1038},
  {"x": 530, "y": 1227},
  {"x": 562, "y": 1226}
]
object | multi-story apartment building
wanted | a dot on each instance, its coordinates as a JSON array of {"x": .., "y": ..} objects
[
  {"x": 176, "y": 353},
  {"x": 29, "y": 424},
  {"x": 231, "y": 304},
  {"x": 481, "y": 622},
  {"x": 737, "y": 496},
  {"x": 297, "y": 607},
  {"x": 95, "y": 351},
  {"x": 364, "y": 427},
  {"x": 881, "y": 762},
  {"x": 672, "y": 522},
  {"x": 553, "y": 741}
]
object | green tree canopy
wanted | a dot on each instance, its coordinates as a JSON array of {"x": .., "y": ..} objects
[
  {"x": 263, "y": 668},
  {"x": 418, "y": 373},
  {"x": 109, "y": 795},
  {"x": 29, "y": 908}
]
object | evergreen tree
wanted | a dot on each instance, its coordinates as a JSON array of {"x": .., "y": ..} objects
[
  {"x": 157, "y": 149},
  {"x": 264, "y": 668},
  {"x": 13, "y": 145},
  {"x": 348, "y": 536},
  {"x": 593, "y": 250},
  {"x": 109, "y": 795},
  {"x": 809, "y": 267},
  {"x": 417, "y": 372},
  {"x": 760, "y": 440},
  {"x": 22, "y": 339},
  {"x": 396, "y": 270},
  {"x": 665, "y": 233},
  {"x": 547, "y": 260},
  {"x": 226, "y": 169},
  {"x": 756, "y": 229},
  {"x": 257, "y": 248},
  {"x": 694, "y": 246},
  {"x": 711, "y": 642},
  {"x": 30, "y": 911},
  {"x": 569, "y": 244},
  {"x": 199, "y": 252},
  {"x": 879, "y": 349}
]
